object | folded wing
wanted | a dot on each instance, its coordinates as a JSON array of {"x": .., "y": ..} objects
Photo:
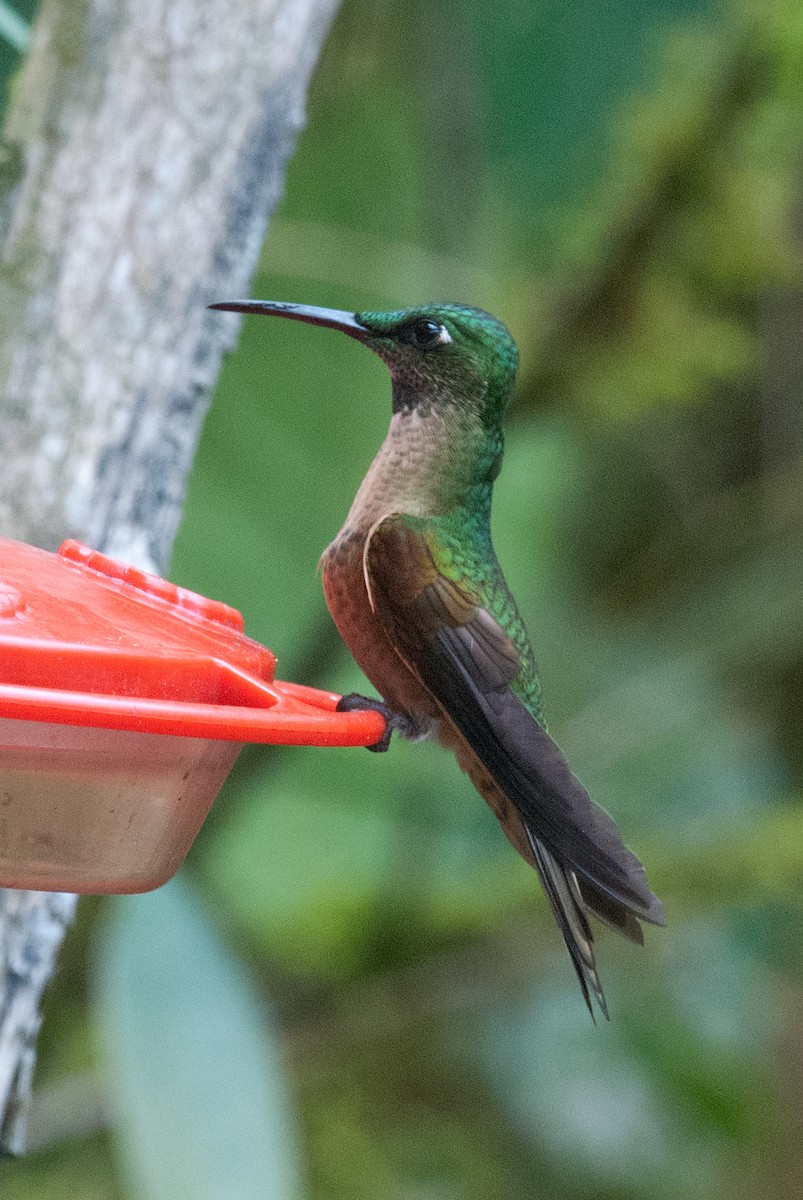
[{"x": 469, "y": 663}]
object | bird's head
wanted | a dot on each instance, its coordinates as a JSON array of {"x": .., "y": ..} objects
[{"x": 439, "y": 355}]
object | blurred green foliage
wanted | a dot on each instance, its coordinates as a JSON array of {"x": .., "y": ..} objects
[{"x": 622, "y": 184}]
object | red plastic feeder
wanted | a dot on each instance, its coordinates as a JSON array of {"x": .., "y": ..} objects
[{"x": 124, "y": 702}]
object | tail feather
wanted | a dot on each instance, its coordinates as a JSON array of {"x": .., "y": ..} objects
[
  {"x": 568, "y": 906},
  {"x": 612, "y": 914}
]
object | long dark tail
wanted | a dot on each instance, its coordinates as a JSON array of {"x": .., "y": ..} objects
[{"x": 569, "y": 907}]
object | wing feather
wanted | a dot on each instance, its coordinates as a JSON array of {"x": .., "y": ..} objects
[{"x": 468, "y": 662}]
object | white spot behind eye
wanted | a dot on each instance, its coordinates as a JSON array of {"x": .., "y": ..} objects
[{"x": 444, "y": 337}]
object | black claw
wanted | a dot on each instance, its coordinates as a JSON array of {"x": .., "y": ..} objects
[{"x": 354, "y": 702}]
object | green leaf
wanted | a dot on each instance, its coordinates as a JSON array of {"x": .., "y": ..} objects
[{"x": 190, "y": 1057}]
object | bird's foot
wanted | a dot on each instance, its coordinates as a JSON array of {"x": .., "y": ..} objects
[{"x": 395, "y": 722}]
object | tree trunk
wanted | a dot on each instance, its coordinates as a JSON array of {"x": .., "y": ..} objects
[{"x": 144, "y": 149}]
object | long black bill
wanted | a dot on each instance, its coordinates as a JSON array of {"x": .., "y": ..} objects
[{"x": 332, "y": 318}]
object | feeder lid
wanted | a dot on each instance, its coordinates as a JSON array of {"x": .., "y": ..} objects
[{"x": 88, "y": 640}]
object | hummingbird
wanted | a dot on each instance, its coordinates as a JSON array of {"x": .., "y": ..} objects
[{"x": 418, "y": 596}]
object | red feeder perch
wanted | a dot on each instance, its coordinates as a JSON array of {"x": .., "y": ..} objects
[{"x": 124, "y": 702}]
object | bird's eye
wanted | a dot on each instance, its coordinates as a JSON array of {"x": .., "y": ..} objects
[{"x": 425, "y": 334}]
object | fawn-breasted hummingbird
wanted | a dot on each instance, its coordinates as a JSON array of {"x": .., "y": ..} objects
[{"x": 417, "y": 593}]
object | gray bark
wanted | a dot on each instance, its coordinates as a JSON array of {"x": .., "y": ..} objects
[{"x": 143, "y": 152}]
